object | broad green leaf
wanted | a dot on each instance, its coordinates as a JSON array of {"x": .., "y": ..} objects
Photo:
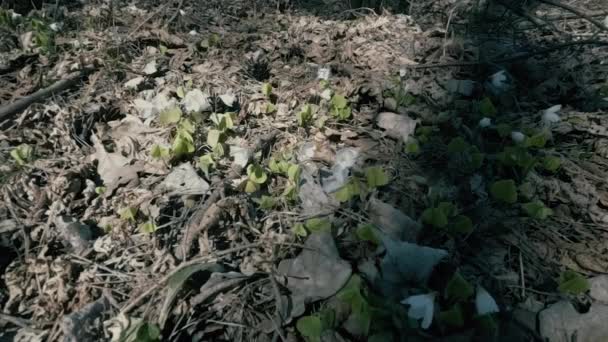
[
  {"x": 504, "y": 130},
  {"x": 448, "y": 208},
  {"x": 218, "y": 151},
  {"x": 284, "y": 166},
  {"x": 128, "y": 214},
  {"x": 100, "y": 190},
  {"x": 148, "y": 227},
  {"x": 351, "y": 290},
  {"x": 291, "y": 192},
  {"x": 526, "y": 190},
  {"x": 170, "y": 116},
  {"x": 163, "y": 49},
  {"x": 270, "y": 108},
  {"x": 22, "y": 154},
  {"x": 159, "y": 152},
  {"x": 552, "y": 163},
  {"x": 323, "y": 84},
  {"x": 213, "y": 137},
  {"x": 462, "y": 225},
  {"x": 186, "y": 126},
  {"x": 452, "y": 317},
  {"x": 365, "y": 232},
  {"x": 146, "y": 332},
  {"x": 182, "y": 145},
  {"x": 300, "y": 230},
  {"x": 339, "y": 102},
  {"x": 305, "y": 115},
  {"x": 457, "y": 145},
  {"x": 571, "y": 282},
  {"x": 487, "y": 326},
  {"x": 504, "y": 190},
  {"x": 267, "y": 89},
  {"x": 538, "y": 140},
  {"x": 229, "y": 120},
  {"x": 181, "y": 93},
  {"x": 537, "y": 210},
  {"x": 256, "y": 174},
  {"x": 376, "y": 177},
  {"x": 412, "y": 147},
  {"x": 310, "y": 327},
  {"x": 273, "y": 165},
  {"x": 328, "y": 318},
  {"x": 349, "y": 191},
  {"x": 318, "y": 225},
  {"x": 435, "y": 217},
  {"x": 266, "y": 202},
  {"x": 407, "y": 99},
  {"x": 487, "y": 108},
  {"x": 206, "y": 162},
  {"x": 458, "y": 289},
  {"x": 251, "y": 187},
  {"x": 293, "y": 172}
]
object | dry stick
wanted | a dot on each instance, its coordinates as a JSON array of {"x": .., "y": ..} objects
[
  {"x": 163, "y": 281},
  {"x": 40, "y": 95},
  {"x": 174, "y": 16},
  {"x": 507, "y": 59},
  {"x": 577, "y": 12}
]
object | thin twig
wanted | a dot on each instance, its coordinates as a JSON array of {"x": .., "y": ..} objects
[
  {"x": 507, "y": 59},
  {"x": 164, "y": 280},
  {"x": 577, "y": 12}
]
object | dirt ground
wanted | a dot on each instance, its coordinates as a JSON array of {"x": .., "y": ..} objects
[{"x": 303, "y": 170}]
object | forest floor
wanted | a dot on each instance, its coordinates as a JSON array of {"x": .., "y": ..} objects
[{"x": 253, "y": 171}]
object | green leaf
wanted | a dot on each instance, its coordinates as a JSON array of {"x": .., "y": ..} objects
[
  {"x": 159, "y": 152},
  {"x": 205, "y": 162},
  {"x": 147, "y": 332},
  {"x": 251, "y": 187},
  {"x": 435, "y": 217},
  {"x": 291, "y": 192},
  {"x": 365, "y": 232},
  {"x": 487, "y": 108},
  {"x": 170, "y": 116},
  {"x": 22, "y": 154},
  {"x": 273, "y": 165},
  {"x": 504, "y": 190},
  {"x": 504, "y": 130},
  {"x": 213, "y": 137},
  {"x": 100, "y": 190},
  {"x": 182, "y": 144},
  {"x": 538, "y": 140},
  {"x": 181, "y": 93},
  {"x": 537, "y": 210},
  {"x": 486, "y": 325},
  {"x": 452, "y": 317},
  {"x": 571, "y": 282},
  {"x": 458, "y": 289},
  {"x": 457, "y": 145},
  {"x": 376, "y": 177},
  {"x": 270, "y": 108},
  {"x": 299, "y": 230},
  {"x": 349, "y": 191},
  {"x": 412, "y": 147},
  {"x": 256, "y": 174},
  {"x": 128, "y": 214},
  {"x": 293, "y": 173},
  {"x": 552, "y": 163},
  {"x": 186, "y": 126},
  {"x": 267, "y": 89},
  {"x": 218, "y": 151},
  {"x": 316, "y": 224},
  {"x": 323, "y": 84},
  {"x": 305, "y": 115},
  {"x": 310, "y": 327},
  {"x": 448, "y": 208},
  {"x": 462, "y": 225},
  {"x": 148, "y": 227},
  {"x": 339, "y": 102},
  {"x": 266, "y": 202}
]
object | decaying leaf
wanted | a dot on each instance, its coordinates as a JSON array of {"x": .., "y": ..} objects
[
  {"x": 113, "y": 168},
  {"x": 397, "y": 126},
  {"x": 316, "y": 273},
  {"x": 393, "y": 222},
  {"x": 183, "y": 180}
]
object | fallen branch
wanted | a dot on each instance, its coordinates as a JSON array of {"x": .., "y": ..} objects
[{"x": 38, "y": 96}]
